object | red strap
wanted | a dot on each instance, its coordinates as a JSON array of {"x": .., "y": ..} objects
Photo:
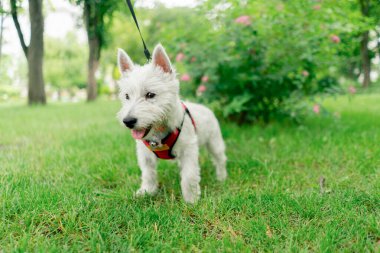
[{"x": 167, "y": 144}]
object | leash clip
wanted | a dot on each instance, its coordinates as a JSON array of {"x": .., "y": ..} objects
[{"x": 154, "y": 144}]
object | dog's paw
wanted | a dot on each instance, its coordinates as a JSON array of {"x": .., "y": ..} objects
[
  {"x": 145, "y": 191},
  {"x": 221, "y": 175},
  {"x": 191, "y": 198},
  {"x": 193, "y": 195}
]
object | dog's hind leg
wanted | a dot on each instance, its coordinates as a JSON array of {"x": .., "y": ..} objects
[
  {"x": 148, "y": 163},
  {"x": 217, "y": 148}
]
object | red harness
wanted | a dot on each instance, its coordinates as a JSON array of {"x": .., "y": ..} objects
[{"x": 164, "y": 151}]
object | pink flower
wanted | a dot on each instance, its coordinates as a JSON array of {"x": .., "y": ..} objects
[
  {"x": 205, "y": 79},
  {"x": 201, "y": 88},
  {"x": 316, "y": 109},
  {"x": 352, "y": 89},
  {"x": 317, "y": 7},
  {"x": 180, "y": 57},
  {"x": 244, "y": 20},
  {"x": 193, "y": 59},
  {"x": 185, "y": 77},
  {"x": 305, "y": 73},
  {"x": 335, "y": 38}
]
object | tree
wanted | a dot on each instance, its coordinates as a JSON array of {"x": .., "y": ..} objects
[
  {"x": 94, "y": 14},
  {"x": 364, "y": 52},
  {"x": 34, "y": 53}
]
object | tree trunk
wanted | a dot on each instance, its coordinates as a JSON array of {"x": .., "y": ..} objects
[
  {"x": 93, "y": 63},
  {"x": 364, "y": 52},
  {"x": 59, "y": 95},
  {"x": 366, "y": 61},
  {"x": 93, "y": 21},
  {"x": 36, "y": 93}
]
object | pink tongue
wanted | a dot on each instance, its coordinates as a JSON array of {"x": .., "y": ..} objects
[{"x": 138, "y": 134}]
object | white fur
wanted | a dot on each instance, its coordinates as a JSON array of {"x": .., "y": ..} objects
[{"x": 164, "y": 111}]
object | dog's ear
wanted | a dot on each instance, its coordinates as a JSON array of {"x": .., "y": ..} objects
[
  {"x": 124, "y": 61},
  {"x": 161, "y": 59}
]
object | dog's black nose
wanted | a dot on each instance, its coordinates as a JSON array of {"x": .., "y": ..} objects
[{"x": 130, "y": 122}]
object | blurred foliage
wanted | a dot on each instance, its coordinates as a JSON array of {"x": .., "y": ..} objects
[
  {"x": 6, "y": 89},
  {"x": 65, "y": 63},
  {"x": 268, "y": 52},
  {"x": 5, "y": 79},
  {"x": 97, "y": 15}
]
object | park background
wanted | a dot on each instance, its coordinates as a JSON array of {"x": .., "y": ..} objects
[{"x": 295, "y": 85}]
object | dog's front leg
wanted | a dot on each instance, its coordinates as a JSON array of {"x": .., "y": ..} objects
[
  {"x": 190, "y": 174},
  {"x": 148, "y": 163}
]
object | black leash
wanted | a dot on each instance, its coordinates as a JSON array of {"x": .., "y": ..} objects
[{"x": 146, "y": 51}]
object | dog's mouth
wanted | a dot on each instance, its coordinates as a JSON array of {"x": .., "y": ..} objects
[{"x": 138, "y": 134}]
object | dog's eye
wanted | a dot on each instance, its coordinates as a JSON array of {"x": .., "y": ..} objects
[
  {"x": 150, "y": 95},
  {"x": 126, "y": 96}
]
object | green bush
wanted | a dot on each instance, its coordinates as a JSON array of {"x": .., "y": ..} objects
[
  {"x": 247, "y": 86},
  {"x": 258, "y": 57}
]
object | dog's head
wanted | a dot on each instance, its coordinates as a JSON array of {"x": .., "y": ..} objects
[{"x": 147, "y": 93}]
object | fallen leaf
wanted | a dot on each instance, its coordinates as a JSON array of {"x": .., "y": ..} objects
[
  {"x": 231, "y": 230},
  {"x": 269, "y": 232}
]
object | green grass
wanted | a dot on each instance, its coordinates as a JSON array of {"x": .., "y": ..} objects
[{"x": 68, "y": 173}]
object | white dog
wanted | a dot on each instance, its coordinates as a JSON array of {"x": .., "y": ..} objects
[{"x": 163, "y": 126}]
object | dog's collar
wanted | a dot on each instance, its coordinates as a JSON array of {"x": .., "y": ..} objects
[{"x": 164, "y": 149}]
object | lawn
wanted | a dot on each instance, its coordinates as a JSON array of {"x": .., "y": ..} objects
[{"x": 68, "y": 173}]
